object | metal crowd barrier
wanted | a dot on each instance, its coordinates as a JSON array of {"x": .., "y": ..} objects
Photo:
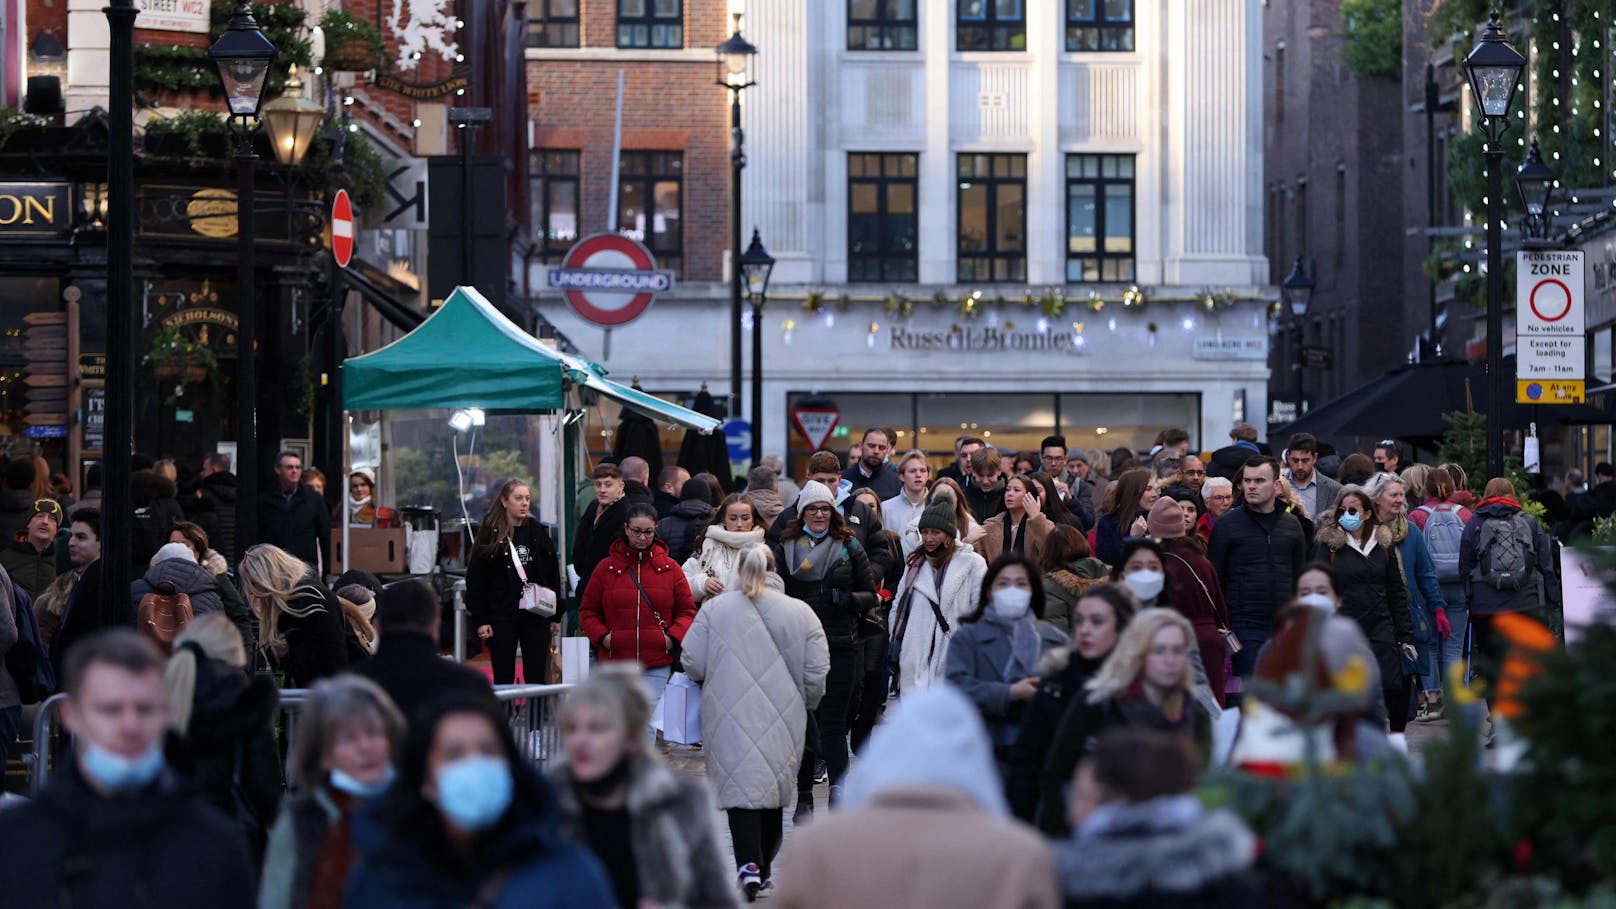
[{"x": 531, "y": 711}]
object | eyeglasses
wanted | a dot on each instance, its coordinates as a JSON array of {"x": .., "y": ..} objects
[
  {"x": 50, "y": 507},
  {"x": 641, "y": 531}
]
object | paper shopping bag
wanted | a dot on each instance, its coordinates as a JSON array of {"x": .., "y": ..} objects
[
  {"x": 680, "y": 711},
  {"x": 574, "y": 660}
]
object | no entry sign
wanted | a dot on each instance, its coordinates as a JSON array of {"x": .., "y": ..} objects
[
  {"x": 609, "y": 279},
  {"x": 342, "y": 228}
]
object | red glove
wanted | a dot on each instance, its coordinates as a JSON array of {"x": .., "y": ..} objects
[{"x": 1442, "y": 625}]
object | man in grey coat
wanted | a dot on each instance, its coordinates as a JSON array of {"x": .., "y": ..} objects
[{"x": 1316, "y": 490}]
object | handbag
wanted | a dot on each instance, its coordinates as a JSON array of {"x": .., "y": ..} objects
[
  {"x": 541, "y": 601},
  {"x": 1231, "y": 641}
]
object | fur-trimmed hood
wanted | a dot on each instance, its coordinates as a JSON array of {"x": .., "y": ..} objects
[
  {"x": 1154, "y": 848},
  {"x": 1329, "y": 533}
]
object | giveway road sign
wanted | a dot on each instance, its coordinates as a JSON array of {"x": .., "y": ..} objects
[
  {"x": 1549, "y": 327},
  {"x": 609, "y": 279},
  {"x": 815, "y": 424}
]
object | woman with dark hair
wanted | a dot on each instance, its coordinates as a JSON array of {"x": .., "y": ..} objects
[
  {"x": 1025, "y": 463},
  {"x": 939, "y": 586},
  {"x": 1021, "y": 527},
  {"x": 1196, "y": 592},
  {"x": 512, "y": 549},
  {"x": 468, "y": 823},
  {"x": 1142, "y": 569},
  {"x": 716, "y": 551},
  {"x": 1050, "y": 503},
  {"x": 1130, "y": 499},
  {"x": 1068, "y": 568},
  {"x": 966, "y": 526},
  {"x": 994, "y": 656}
]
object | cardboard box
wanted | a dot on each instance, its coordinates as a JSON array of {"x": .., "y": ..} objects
[{"x": 378, "y": 550}]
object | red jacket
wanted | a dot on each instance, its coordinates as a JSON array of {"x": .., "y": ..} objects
[{"x": 612, "y": 604}]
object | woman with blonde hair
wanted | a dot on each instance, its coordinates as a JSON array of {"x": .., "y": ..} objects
[
  {"x": 226, "y": 719},
  {"x": 300, "y": 623},
  {"x": 348, "y": 735}
]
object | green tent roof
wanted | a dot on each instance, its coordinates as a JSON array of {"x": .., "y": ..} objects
[{"x": 468, "y": 354}]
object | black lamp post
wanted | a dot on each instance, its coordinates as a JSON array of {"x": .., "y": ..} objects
[
  {"x": 1494, "y": 69},
  {"x": 1536, "y": 182},
  {"x": 243, "y": 55},
  {"x": 1297, "y": 289},
  {"x": 118, "y": 435},
  {"x": 735, "y": 74},
  {"x": 756, "y": 266}
]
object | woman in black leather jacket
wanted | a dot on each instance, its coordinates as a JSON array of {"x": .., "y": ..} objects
[{"x": 494, "y": 586}]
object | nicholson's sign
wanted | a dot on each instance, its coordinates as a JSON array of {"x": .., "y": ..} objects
[{"x": 42, "y": 209}]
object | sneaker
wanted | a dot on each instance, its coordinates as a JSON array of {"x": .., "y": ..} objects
[
  {"x": 1423, "y": 715},
  {"x": 751, "y": 880},
  {"x": 766, "y": 891},
  {"x": 821, "y": 773}
]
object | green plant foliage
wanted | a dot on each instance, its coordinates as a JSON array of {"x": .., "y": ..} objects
[
  {"x": 342, "y": 27},
  {"x": 1373, "y": 37},
  {"x": 13, "y": 119},
  {"x": 1464, "y": 442},
  {"x": 197, "y": 127},
  {"x": 361, "y": 172},
  {"x": 179, "y": 68}
]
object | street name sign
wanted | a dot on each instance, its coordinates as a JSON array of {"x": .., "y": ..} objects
[{"x": 1550, "y": 324}]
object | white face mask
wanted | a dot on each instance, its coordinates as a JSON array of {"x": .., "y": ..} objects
[
  {"x": 1317, "y": 601},
  {"x": 1011, "y": 602},
  {"x": 1146, "y": 585}
]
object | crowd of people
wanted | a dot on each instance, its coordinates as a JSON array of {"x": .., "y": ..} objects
[{"x": 1009, "y": 674}]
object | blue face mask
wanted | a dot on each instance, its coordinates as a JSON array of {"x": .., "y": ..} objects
[
  {"x": 115, "y": 773},
  {"x": 342, "y": 782},
  {"x": 474, "y": 792},
  {"x": 1350, "y": 522},
  {"x": 817, "y": 536}
]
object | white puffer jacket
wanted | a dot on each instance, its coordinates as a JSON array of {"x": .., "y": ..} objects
[
  {"x": 924, "y": 654},
  {"x": 720, "y": 558}
]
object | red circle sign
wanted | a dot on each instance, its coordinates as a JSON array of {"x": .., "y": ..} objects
[
  {"x": 1564, "y": 291},
  {"x": 618, "y": 294},
  {"x": 342, "y": 228}
]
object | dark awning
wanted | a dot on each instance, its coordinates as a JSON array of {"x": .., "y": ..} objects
[{"x": 401, "y": 316}]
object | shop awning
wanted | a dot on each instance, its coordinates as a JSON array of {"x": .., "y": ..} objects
[{"x": 468, "y": 354}]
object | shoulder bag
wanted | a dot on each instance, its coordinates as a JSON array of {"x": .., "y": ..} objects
[
  {"x": 541, "y": 601},
  {"x": 674, "y": 651},
  {"x": 1231, "y": 641}
]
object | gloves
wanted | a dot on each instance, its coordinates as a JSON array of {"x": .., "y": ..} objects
[{"x": 1443, "y": 627}]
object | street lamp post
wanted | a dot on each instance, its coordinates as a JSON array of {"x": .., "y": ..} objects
[
  {"x": 735, "y": 74},
  {"x": 243, "y": 55},
  {"x": 756, "y": 265},
  {"x": 1494, "y": 69},
  {"x": 118, "y": 433},
  {"x": 1536, "y": 182},
  {"x": 1297, "y": 289}
]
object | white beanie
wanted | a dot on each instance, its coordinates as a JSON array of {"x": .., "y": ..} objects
[
  {"x": 174, "y": 551},
  {"x": 812, "y": 493}
]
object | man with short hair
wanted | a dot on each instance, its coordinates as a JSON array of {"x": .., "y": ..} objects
[
  {"x": 871, "y": 468},
  {"x": 964, "y": 447},
  {"x": 903, "y": 509},
  {"x": 115, "y": 823},
  {"x": 1258, "y": 551},
  {"x": 636, "y": 480},
  {"x": 1227, "y": 461},
  {"x": 84, "y": 611},
  {"x": 83, "y": 550},
  {"x": 1073, "y": 491},
  {"x": 1604, "y": 489},
  {"x": 601, "y": 524},
  {"x": 31, "y": 561},
  {"x": 214, "y": 508},
  {"x": 1316, "y": 490},
  {"x": 293, "y": 516},
  {"x": 984, "y": 488},
  {"x": 407, "y": 665},
  {"x": 1174, "y": 443},
  {"x": 669, "y": 482},
  {"x": 1388, "y": 456}
]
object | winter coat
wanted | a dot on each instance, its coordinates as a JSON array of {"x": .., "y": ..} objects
[
  {"x": 299, "y": 523},
  {"x": 899, "y": 515},
  {"x": 984, "y": 503},
  {"x": 977, "y": 655},
  {"x": 767, "y": 502},
  {"x": 1060, "y": 688},
  {"x": 10, "y": 695},
  {"x": 207, "y": 592},
  {"x": 49, "y": 606},
  {"x": 1080, "y": 504},
  {"x": 679, "y": 857},
  {"x": 663, "y": 502},
  {"x": 317, "y": 641},
  {"x": 762, "y": 668},
  {"x": 923, "y": 651},
  {"x": 1227, "y": 461},
  {"x": 408, "y": 668},
  {"x": 1484, "y": 600},
  {"x": 160, "y": 846},
  {"x": 218, "y": 492},
  {"x": 887, "y": 564},
  {"x": 494, "y": 589},
  {"x": 1034, "y": 533},
  {"x": 29, "y": 568},
  {"x": 1372, "y": 593},
  {"x": 597, "y": 532},
  {"x": 720, "y": 558},
  {"x": 1166, "y": 851},
  {"x": 1108, "y": 535},
  {"x": 1424, "y": 593},
  {"x": 540, "y": 867},
  {"x": 157, "y": 509},
  {"x": 613, "y": 604},
  {"x": 16, "y": 509},
  {"x": 861, "y": 519},
  {"x": 1063, "y": 588},
  {"x": 843, "y": 598},
  {"x": 885, "y": 482},
  {"x": 305, "y": 819},
  {"x": 230, "y": 744},
  {"x": 1198, "y": 596},
  {"x": 678, "y": 530},
  {"x": 1257, "y": 558}
]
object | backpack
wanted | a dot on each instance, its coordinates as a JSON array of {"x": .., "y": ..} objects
[
  {"x": 27, "y": 660},
  {"x": 1442, "y": 531},
  {"x": 163, "y": 614},
  {"x": 1507, "y": 557}
]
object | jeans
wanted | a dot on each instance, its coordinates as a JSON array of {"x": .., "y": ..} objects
[
  {"x": 10, "y": 722},
  {"x": 866, "y": 708},
  {"x": 1252, "y": 638},
  {"x": 756, "y": 834},
  {"x": 533, "y": 633},
  {"x": 831, "y": 717},
  {"x": 656, "y": 681},
  {"x": 1452, "y": 651}
]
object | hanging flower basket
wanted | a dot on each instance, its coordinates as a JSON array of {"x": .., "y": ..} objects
[
  {"x": 351, "y": 44},
  {"x": 192, "y": 375},
  {"x": 352, "y": 56}
]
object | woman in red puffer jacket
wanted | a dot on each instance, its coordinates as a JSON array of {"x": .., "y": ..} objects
[{"x": 638, "y": 605}]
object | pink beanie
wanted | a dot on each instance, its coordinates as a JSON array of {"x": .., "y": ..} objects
[{"x": 1166, "y": 521}]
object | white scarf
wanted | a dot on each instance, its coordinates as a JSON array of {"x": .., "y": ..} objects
[{"x": 721, "y": 552}]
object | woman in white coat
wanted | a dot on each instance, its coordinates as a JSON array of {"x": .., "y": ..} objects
[
  {"x": 762, "y": 658},
  {"x": 713, "y": 567},
  {"x": 941, "y": 584}
]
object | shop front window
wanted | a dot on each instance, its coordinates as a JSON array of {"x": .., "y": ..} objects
[{"x": 28, "y": 425}]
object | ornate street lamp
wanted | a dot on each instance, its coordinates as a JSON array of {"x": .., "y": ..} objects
[
  {"x": 1536, "y": 182},
  {"x": 243, "y": 55},
  {"x": 1297, "y": 289},
  {"x": 756, "y": 265},
  {"x": 292, "y": 121},
  {"x": 734, "y": 58}
]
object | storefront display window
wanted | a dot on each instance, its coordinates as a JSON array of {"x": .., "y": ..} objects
[{"x": 20, "y": 297}]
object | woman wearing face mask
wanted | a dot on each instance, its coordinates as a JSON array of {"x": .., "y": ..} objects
[
  {"x": 1033, "y": 786},
  {"x": 1142, "y": 570},
  {"x": 652, "y": 830},
  {"x": 1315, "y": 589},
  {"x": 995, "y": 656},
  {"x": 1131, "y": 497},
  {"x": 1359, "y": 551},
  {"x": 468, "y": 823},
  {"x": 711, "y": 570},
  {"x": 1427, "y": 608},
  {"x": 940, "y": 585},
  {"x": 348, "y": 732},
  {"x": 1195, "y": 591},
  {"x": 510, "y": 537},
  {"x": 1021, "y": 527}
]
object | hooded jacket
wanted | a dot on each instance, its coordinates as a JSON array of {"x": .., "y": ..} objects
[
  {"x": 208, "y": 593},
  {"x": 1257, "y": 557},
  {"x": 215, "y": 512},
  {"x": 1064, "y": 587},
  {"x": 16, "y": 507},
  {"x": 1484, "y": 600},
  {"x": 157, "y": 509},
  {"x": 29, "y": 568},
  {"x": 1372, "y": 593},
  {"x": 1166, "y": 851},
  {"x": 613, "y": 604},
  {"x": 923, "y": 823},
  {"x": 767, "y": 502},
  {"x": 678, "y": 530}
]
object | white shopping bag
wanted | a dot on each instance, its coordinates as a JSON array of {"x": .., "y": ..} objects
[
  {"x": 574, "y": 660},
  {"x": 678, "y": 713}
]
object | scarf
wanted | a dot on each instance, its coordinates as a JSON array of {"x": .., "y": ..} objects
[
  {"x": 808, "y": 561},
  {"x": 1024, "y": 643}
]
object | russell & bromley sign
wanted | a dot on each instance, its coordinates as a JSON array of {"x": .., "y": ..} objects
[{"x": 988, "y": 338}]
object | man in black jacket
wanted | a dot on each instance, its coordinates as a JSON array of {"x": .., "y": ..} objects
[
  {"x": 293, "y": 516},
  {"x": 214, "y": 506},
  {"x": 636, "y": 480},
  {"x": 117, "y": 822},
  {"x": 407, "y": 665},
  {"x": 984, "y": 488},
  {"x": 871, "y": 468},
  {"x": 669, "y": 483},
  {"x": 601, "y": 524},
  {"x": 1258, "y": 551}
]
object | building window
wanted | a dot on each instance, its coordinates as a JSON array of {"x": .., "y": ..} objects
[
  {"x": 992, "y": 218},
  {"x": 991, "y": 25},
  {"x": 650, "y": 200},
  {"x": 882, "y": 224},
  {"x": 555, "y": 203},
  {"x": 650, "y": 23},
  {"x": 880, "y": 24},
  {"x": 1099, "y": 25},
  {"x": 1099, "y": 218},
  {"x": 552, "y": 23}
]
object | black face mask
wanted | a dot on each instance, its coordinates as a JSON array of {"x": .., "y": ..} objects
[{"x": 607, "y": 784}]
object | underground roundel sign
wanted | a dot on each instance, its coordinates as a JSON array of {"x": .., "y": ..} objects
[{"x": 609, "y": 279}]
